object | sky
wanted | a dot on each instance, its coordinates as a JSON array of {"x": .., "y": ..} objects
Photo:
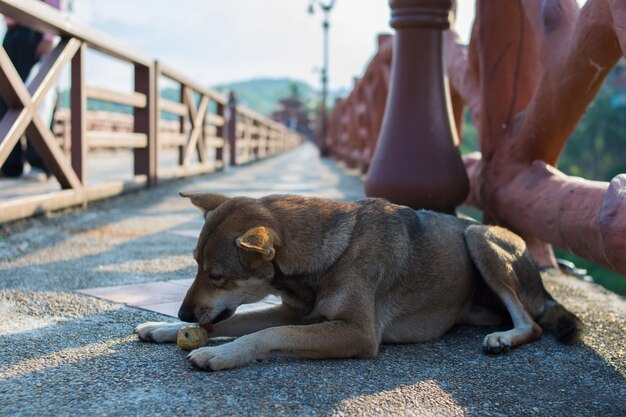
[
  {"x": 217, "y": 41},
  {"x": 220, "y": 41}
]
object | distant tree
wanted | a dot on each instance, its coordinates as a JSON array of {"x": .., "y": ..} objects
[
  {"x": 295, "y": 91},
  {"x": 597, "y": 148}
]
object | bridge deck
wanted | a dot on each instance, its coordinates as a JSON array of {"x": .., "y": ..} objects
[
  {"x": 65, "y": 353},
  {"x": 104, "y": 166}
]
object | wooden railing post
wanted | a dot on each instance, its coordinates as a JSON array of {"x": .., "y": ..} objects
[
  {"x": 157, "y": 116},
  {"x": 145, "y": 122},
  {"x": 186, "y": 97},
  {"x": 255, "y": 139},
  {"x": 232, "y": 127},
  {"x": 78, "y": 103},
  {"x": 219, "y": 132},
  {"x": 417, "y": 161},
  {"x": 182, "y": 118}
]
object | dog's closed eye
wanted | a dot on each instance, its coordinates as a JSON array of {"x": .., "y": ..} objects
[{"x": 216, "y": 278}]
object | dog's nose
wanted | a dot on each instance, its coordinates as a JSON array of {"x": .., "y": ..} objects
[{"x": 186, "y": 315}]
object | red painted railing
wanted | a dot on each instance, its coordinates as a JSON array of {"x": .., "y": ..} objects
[
  {"x": 355, "y": 122},
  {"x": 527, "y": 76}
]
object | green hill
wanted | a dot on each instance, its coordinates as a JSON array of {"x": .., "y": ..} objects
[{"x": 263, "y": 94}]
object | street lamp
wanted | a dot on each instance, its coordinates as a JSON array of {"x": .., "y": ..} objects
[{"x": 326, "y": 8}]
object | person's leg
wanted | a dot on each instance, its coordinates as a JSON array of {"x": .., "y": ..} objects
[
  {"x": 34, "y": 160},
  {"x": 27, "y": 65},
  {"x": 20, "y": 45},
  {"x": 47, "y": 109},
  {"x": 14, "y": 164}
]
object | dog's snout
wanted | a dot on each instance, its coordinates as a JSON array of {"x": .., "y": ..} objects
[{"x": 186, "y": 314}]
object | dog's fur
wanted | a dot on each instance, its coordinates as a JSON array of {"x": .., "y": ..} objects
[{"x": 352, "y": 275}]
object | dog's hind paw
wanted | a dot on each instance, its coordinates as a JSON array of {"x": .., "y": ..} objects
[
  {"x": 216, "y": 358},
  {"x": 158, "y": 331},
  {"x": 497, "y": 343}
]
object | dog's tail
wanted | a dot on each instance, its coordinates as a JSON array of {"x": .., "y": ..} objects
[{"x": 565, "y": 326}]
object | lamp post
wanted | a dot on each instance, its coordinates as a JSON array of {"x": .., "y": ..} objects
[{"x": 326, "y": 8}]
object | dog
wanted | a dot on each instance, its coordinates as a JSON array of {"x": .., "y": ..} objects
[{"x": 353, "y": 275}]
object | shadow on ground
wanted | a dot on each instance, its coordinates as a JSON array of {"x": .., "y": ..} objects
[{"x": 83, "y": 358}]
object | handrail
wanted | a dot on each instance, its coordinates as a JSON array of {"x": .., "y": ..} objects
[
  {"x": 252, "y": 135},
  {"x": 40, "y": 16},
  {"x": 206, "y": 128},
  {"x": 183, "y": 79},
  {"x": 259, "y": 117}
]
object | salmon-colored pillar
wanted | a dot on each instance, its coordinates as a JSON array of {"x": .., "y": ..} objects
[{"x": 417, "y": 161}]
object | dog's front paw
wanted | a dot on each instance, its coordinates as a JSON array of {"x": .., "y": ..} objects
[
  {"x": 216, "y": 358},
  {"x": 497, "y": 343},
  {"x": 158, "y": 331}
]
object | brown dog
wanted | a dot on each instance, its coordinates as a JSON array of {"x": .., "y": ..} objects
[{"x": 352, "y": 275}]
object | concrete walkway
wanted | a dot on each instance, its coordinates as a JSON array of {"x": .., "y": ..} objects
[{"x": 66, "y": 353}]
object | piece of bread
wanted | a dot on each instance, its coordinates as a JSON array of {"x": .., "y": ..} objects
[{"x": 191, "y": 337}]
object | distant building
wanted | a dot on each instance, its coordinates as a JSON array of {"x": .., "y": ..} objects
[{"x": 291, "y": 113}]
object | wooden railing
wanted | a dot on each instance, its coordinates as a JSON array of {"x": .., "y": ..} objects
[
  {"x": 255, "y": 136},
  {"x": 527, "y": 77},
  {"x": 203, "y": 116},
  {"x": 355, "y": 123},
  {"x": 201, "y": 113}
]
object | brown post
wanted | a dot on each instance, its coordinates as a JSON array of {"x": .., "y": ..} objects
[
  {"x": 417, "y": 161},
  {"x": 219, "y": 132},
  {"x": 256, "y": 140},
  {"x": 78, "y": 104},
  {"x": 145, "y": 121},
  {"x": 182, "y": 128},
  {"x": 232, "y": 127},
  {"x": 156, "y": 117}
]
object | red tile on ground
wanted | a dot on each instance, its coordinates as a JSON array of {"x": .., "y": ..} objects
[
  {"x": 140, "y": 294},
  {"x": 169, "y": 309},
  {"x": 162, "y": 297}
]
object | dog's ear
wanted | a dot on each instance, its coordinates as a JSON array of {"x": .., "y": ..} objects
[
  {"x": 205, "y": 201},
  {"x": 259, "y": 239}
]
